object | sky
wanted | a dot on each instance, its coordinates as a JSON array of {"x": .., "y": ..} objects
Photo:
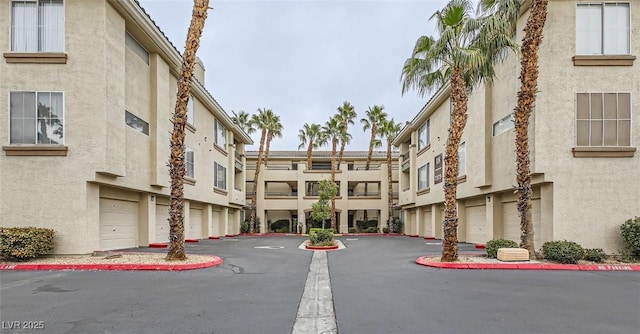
[{"x": 304, "y": 58}]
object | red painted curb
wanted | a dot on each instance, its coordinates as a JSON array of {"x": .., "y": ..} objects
[
  {"x": 430, "y": 238},
  {"x": 158, "y": 245},
  {"x": 214, "y": 238},
  {"x": 191, "y": 240},
  {"x": 372, "y": 235},
  {"x": 229, "y": 235},
  {"x": 526, "y": 266},
  {"x": 414, "y": 235},
  {"x": 481, "y": 246},
  {"x": 216, "y": 261}
]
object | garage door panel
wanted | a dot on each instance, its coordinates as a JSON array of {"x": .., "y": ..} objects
[
  {"x": 476, "y": 221},
  {"x": 162, "y": 223},
  {"x": 195, "y": 224},
  {"x": 118, "y": 224}
]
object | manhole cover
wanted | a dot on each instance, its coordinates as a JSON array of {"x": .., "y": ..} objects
[{"x": 269, "y": 247}]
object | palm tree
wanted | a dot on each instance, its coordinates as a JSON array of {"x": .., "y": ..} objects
[
  {"x": 332, "y": 130},
  {"x": 310, "y": 136},
  {"x": 274, "y": 129},
  {"x": 389, "y": 129},
  {"x": 258, "y": 121},
  {"x": 375, "y": 116},
  {"x": 346, "y": 114},
  {"x": 462, "y": 57},
  {"x": 177, "y": 166},
  {"x": 243, "y": 120}
]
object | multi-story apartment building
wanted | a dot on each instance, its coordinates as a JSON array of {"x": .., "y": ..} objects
[
  {"x": 287, "y": 188},
  {"x": 583, "y": 137},
  {"x": 88, "y": 89}
]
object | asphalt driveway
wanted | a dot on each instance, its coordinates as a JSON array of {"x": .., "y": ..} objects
[{"x": 377, "y": 288}]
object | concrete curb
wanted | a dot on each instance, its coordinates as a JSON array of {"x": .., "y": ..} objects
[
  {"x": 526, "y": 266},
  {"x": 158, "y": 245},
  {"x": 321, "y": 248},
  {"x": 191, "y": 240},
  {"x": 215, "y": 261},
  {"x": 373, "y": 235}
]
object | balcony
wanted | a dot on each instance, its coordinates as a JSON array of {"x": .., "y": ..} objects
[
  {"x": 239, "y": 166},
  {"x": 406, "y": 163},
  {"x": 364, "y": 195}
]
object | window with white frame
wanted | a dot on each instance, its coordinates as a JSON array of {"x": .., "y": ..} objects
[
  {"x": 603, "y": 28},
  {"x": 603, "y": 119},
  {"x": 36, "y": 118},
  {"x": 220, "y": 176},
  {"x": 505, "y": 124},
  {"x": 190, "y": 110},
  {"x": 462, "y": 159},
  {"x": 423, "y": 177},
  {"x": 189, "y": 162},
  {"x": 423, "y": 135},
  {"x": 221, "y": 134},
  {"x": 37, "y": 26},
  {"x": 136, "y": 47}
]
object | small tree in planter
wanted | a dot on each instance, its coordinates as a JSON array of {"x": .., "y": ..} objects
[{"x": 320, "y": 211}]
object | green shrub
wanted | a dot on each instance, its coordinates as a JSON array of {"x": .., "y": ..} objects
[
  {"x": 396, "y": 226},
  {"x": 563, "y": 251},
  {"x": 372, "y": 229},
  {"x": 321, "y": 238},
  {"x": 630, "y": 231},
  {"x": 353, "y": 230},
  {"x": 244, "y": 227},
  {"x": 280, "y": 224},
  {"x": 23, "y": 243},
  {"x": 385, "y": 230},
  {"x": 594, "y": 254},
  {"x": 493, "y": 245},
  {"x": 366, "y": 225}
]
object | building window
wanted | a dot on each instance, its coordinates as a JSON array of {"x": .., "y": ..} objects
[
  {"x": 190, "y": 110},
  {"x": 36, "y": 118},
  {"x": 602, "y": 29},
  {"x": 132, "y": 44},
  {"x": 188, "y": 158},
  {"x": 221, "y": 134},
  {"x": 503, "y": 125},
  {"x": 220, "y": 176},
  {"x": 603, "y": 119},
  {"x": 423, "y": 136},
  {"x": 423, "y": 177},
  {"x": 37, "y": 26},
  {"x": 462, "y": 159},
  {"x": 136, "y": 122}
]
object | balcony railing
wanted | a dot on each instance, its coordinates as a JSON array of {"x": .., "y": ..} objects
[
  {"x": 405, "y": 156},
  {"x": 364, "y": 194},
  {"x": 238, "y": 156},
  {"x": 406, "y": 165},
  {"x": 279, "y": 167},
  {"x": 280, "y": 194}
]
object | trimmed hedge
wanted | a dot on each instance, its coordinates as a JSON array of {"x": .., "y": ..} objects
[
  {"x": 24, "y": 243},
  {"x": 594, "y": 254},
  {"x": 630, "y": 232},
  {"x": 321, "y": 238},
  {"x": 563, "y": 251},
  {"x": 492, "y": 246}
]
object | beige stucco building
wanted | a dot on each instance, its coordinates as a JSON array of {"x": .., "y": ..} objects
[
  {"x": 287, "y": 188},
  {"x": 583, "y": 137},
  {"x": 88, "y": 89}
]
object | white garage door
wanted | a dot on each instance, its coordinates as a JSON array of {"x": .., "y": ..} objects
[
  {"x": 162, "y": 223},
  {"x": 476, "y": 222},
  {"x": 195, "y": 224},
  {"x": 118, "y": 224},
  {"x": 427, "y": 228},
  {"x": 511, "y": 221}
]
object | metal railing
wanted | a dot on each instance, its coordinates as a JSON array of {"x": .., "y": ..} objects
[{"x": 405, "y": 156}]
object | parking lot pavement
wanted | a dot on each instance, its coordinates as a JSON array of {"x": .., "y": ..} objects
[{"x": 376, "y": 285}]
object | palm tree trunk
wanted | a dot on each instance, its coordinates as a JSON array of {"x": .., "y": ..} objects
[
  {"x": 526, "y": 102},
  {"x": 177, "y": 165},
  {"x": 374, "y": 129},
  {"x": 342, "y": 147},
  {"x": 254, "y": 198},
  {"x": 458, "y": 122},
  {"x": 309, "y": 154},
  {"x": 266, "y": 151},
  {"x": 333, "y": 179},
  {"x": 390, "y": 184}
]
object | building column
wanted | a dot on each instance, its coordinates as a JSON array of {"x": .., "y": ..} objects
[
  {"x": 187, "y": 218},
  {"x": 208, "y": 218},
  {"x": 147, "y": 220},
  {"x": 462, "y": 221},
  {"x": 495, "y": 217},
  {"x": 224, "y": 216},
  {"x": 436, "y": 220},
  {"x": 546, "y": 213},
  {"x": 416, "y": 227}
]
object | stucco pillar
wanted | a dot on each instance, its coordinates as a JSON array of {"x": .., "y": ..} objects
[
  {"x": 224, "y": 216},
  {"x": 208, "y": 219},
  {"x": 462, "y": 221},
  {"x": 546, "y": 213},
  {"x": 494, "y": 204},
  {"x": 436, "y": 219},
  {"x": 147, "y": 220},
  {"x": 187, "y": 218},
  {"x": 416, "y": 226},
  {"x": 92, "y": 236}
]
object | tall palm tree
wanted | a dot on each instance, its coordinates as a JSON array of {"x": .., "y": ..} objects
[
  {"x": 346, "y": 114},
  {"x": 375, "y": 116},
  {"x": 258, "y": 121},
  {"x": 462, "y": 56},
  {"x": 389, "y": 129},
  {"x": 177, "y": 166},
  {"x": 243, "y": 120},
  {"x": 274, "y": 129},
  {"x": 310, "y": 136},
  {"x": 333, "y": 129},
  {"x": 533, "y": 33}
]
